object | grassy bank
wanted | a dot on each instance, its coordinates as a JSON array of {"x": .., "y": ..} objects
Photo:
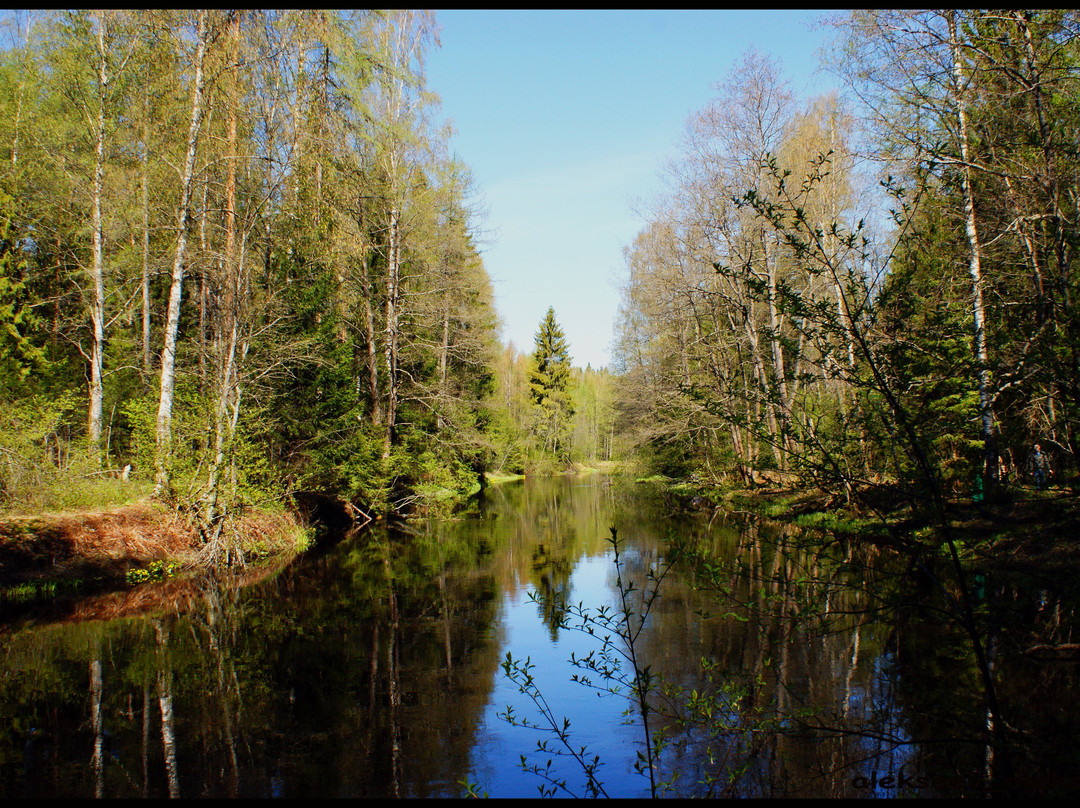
[{"x": 125, "y": 544}]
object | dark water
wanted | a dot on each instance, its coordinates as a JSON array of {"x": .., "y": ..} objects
[{"x": 373, "y": 668}]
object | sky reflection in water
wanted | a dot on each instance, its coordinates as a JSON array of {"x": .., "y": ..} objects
[{"x": 372, "y": 667}]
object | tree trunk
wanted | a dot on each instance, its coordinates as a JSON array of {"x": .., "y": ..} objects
[
  {"x": 393, "y": 281},
  {"x": 172, "y": 322},
  {"x": 763, "y": 386},
  {"x": 144, "y": 187},
  {"x": 165, "y": 702},
  {"x": 97, "y": 268},
  {"x": 202, "y": 284},
  {"x": 371, "y": 345},
  {"x": 444, "y": 350},
  {"x": 228, "y": 325},
  {"x": 986, "y": 413},
  {"x": 1067, "y": 387},
  {"x": 97, "y": 723},
  {"x": 777, "y": 350},
  {"x": 15, "y": 134}
]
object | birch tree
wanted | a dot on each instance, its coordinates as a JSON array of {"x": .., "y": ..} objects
[
  {"x": 398, "y": 103},
  {"x": 109, "y": 69},
  {"x": 982, "y": 358},
  {"x": 954, "y": 98},
  {"x": 93, "y": 52},
  {"x": 205, "y": 33}
]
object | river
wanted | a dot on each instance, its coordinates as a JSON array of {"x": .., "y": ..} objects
[{"x": 783, "y": 665}]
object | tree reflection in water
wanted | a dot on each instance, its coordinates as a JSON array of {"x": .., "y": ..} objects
[{"x": 791, "y": 666}]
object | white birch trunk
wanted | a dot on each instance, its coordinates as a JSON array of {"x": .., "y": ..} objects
[
  {"x": 172, "y": 322},
  {"x": 393, "y": 281},
  {"x": 778, "y": 358},
  {"x": 97, "y": 267},
  {"x": 986, "y": 413},
  {"x": 144, "y": 182}
]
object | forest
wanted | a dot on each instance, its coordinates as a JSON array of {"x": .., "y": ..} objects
[
  {"x": 832, "y": 544},
  {"x": 875, "y": 295},
  {"x": 239, "y": 260}
]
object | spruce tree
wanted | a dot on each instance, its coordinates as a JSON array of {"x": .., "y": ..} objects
[
  {"x": 18, "y": 353},
  {"x": 549, "y": 382}
]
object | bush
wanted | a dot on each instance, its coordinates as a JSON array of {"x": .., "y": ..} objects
[{"x": 34, "y": 454}]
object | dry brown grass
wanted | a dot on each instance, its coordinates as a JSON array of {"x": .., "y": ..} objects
[{"x": 108, "y": 543}]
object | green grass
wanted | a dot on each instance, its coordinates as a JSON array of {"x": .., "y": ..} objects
[
  {"x": 100, "y": 494},
  {"x": 62, "y": 492},
  {"x": 837, "y": 522},
  {"x": 304, "y": 538},
  {"x": 495, "y": 479},
  {"x": 657, "y": 479},
  {"x": 33, "y": 591}
]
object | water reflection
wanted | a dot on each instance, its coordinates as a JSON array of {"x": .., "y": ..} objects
[{"x": 372, "y": 668}]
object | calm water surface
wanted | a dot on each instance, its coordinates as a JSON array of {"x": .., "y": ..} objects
[{"x": 374, "y": 667}]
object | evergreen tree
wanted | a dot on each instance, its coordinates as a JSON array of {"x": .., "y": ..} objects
[
  {"x": 549, "y": 383},
  {"x": 18, "y": 354}
]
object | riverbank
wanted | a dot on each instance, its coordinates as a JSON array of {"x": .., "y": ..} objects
[
  {"x": 126, "y": 544},
  {"x": 1029, "y": 529},
  {"x": 89, "y": 549}
]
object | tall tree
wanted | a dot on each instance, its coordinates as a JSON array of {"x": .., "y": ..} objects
[
  {"x": 957, "y": 103},
  {"x": 978, "y": 306},
  {"x": 549, "y": 388},
  {"x": 287, "y": 163},
  {"x": 204, "y": 34},
  {"x": 91, "y": 52},
  {"x": 20, "y": 355},
  {"x": 399, "y": 102}
]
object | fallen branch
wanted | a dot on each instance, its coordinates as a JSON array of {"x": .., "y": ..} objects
[
  {"x": 354, "y": 510},
  {"x": 1069, "y": 651}
]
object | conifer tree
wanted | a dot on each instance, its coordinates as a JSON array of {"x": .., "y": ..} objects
[
  {"x": 549, "y": 383},
  {"x": 18, "y": 354}
]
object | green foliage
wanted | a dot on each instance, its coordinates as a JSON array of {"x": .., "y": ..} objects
[
  {"x": 141, "y": 414},
  {"x": 769, "y": 323},
  {"x": 594, "y": 436},
  {"x": 253, "y": 479},
  {"x": 19, "y": 356},
  {"x": 925, "y": 308},
  {"x": 34, "y": 451},
  {"x": 290, "y": 312},
  {"x": 190, "y": 427},
  {"x": 44, "y": 464},
  {"x": 549, "y": 391},
  {"x": 473, "y": 790},
  {"x": 29, "y": 592},
  {"x": 250, "y": 479},
  {"x": 550, "y": 373},
  {"x": 520, "y": 673}
]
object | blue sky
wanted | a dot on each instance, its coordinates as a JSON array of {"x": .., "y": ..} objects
[{"x": 566, "y": 118}]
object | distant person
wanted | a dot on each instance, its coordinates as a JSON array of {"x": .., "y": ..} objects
[{"x": 1039, "y": 465}]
